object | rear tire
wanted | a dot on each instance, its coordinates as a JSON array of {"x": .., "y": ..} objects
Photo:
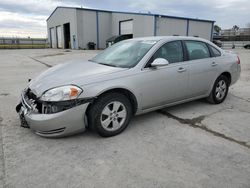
[
  {"x": 110, "y": 114},
  {"x": 219, "y": 91}
]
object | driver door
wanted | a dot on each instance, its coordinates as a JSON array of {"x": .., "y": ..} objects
[{"x": 164, "y": 84}]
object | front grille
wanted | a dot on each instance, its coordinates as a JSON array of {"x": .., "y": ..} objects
[{"x": 30, "y": 99}]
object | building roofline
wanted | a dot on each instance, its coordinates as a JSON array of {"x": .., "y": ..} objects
[{"x": 144, "y": 14}]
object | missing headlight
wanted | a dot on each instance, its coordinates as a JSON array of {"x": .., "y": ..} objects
[
  {"x": 51, "y": 107},
  {"x": 55, "y": 107}
]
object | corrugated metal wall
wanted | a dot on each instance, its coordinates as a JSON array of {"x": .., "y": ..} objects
[
  {"x": 200, "y": 29},
  {"x": 86, "y": 28},
  {"x": 60, "y": 17},
  {"x": 143, "y": 25},
  {"x": 97, "y": 26},
  {"x": 170, "y": 26},
  {"x": 105, "y": 28}
]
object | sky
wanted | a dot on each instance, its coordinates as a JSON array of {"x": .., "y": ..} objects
[{"x": 27, "y": 18}]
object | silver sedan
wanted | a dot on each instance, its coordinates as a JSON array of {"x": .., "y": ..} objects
[{"x": 129, "y": 78}]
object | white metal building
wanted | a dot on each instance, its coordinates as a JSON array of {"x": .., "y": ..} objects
[{"x": 70, "y": 27}]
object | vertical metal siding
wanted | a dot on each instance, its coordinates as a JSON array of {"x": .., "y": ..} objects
[
  {"x": 201, "y": 29},
  {"x": 97, "y": 26},
  {"x": 171, "y": 26},
  {"x": 155, "y": 25},
  {"x": 87, "y": 28},
  {"x": 187, "y": 27},
  {"x": 62, "y": 16},
  {"x": 97, "y": 30},
  {"x": 105, "y": 28},
  {"x": 212, "y": 31},
  {"x": 142, "y": 25}
]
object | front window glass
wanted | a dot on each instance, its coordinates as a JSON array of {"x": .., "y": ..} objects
[
  {"x": 171, "y": 51},
  {"x": 125, "y": 54},
  {"x": 197, "y": 50}
]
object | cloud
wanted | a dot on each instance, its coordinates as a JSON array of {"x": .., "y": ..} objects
[
  {"x": 28, "y": 17},
  {"x": 23, "y": 25},
  {"x": 33, "y": 6}
]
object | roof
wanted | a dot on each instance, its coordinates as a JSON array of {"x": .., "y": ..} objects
[
  {"x": 136, "y": 13},
  {"x": 158, "y": 38}
]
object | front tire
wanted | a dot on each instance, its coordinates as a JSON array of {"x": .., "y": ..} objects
[
  {"x": 219, "y": 91},
  {"x": 110, "y": 114}
]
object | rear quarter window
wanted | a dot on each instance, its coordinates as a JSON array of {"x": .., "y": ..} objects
[{"x": 216, "y": 52}]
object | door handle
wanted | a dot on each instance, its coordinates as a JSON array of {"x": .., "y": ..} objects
[
  {"x": 181, "y": 69},
  {"x": 214, "y": 64}
]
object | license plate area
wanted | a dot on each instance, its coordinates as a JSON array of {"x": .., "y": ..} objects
[{"x": 22, "y": 113}]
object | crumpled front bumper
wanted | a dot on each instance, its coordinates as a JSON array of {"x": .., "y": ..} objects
[{"x": 58, "y": 124}]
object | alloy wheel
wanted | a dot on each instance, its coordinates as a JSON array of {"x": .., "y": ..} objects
[
  {"x": 221, "y": 89},
  {"x": 113, "y": 116}
]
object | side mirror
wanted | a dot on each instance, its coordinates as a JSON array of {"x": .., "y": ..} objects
[{"x": 159, "y": 62}]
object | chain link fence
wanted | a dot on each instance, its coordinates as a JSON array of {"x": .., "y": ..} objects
[
  {"x": 234, "y": 44},
  {"x": 23, "y": 43}
]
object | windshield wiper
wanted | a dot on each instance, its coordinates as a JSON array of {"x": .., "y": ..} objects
[
  {"x": 102, "y": 63},
  {"x": 107, "y": 64}
]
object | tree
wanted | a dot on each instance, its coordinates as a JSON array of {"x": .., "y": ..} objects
[
  {"x": 236, "y": 28},
  {"x": 217, "y": 28}
]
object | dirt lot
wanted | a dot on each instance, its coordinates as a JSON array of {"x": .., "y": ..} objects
[{"x": 191, "y": 145}]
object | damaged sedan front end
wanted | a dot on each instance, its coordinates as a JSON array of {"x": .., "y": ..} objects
[
  {"x": 54, "y": 103},
  {"x": 51, "y": 114}
]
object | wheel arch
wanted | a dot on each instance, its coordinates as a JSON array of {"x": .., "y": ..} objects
[
  {"x": 225, "y": 73},
  {"x": 228, "y": 75},
  {"x": 130, "y": 95}
]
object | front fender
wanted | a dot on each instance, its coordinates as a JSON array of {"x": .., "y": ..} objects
[{"x": 95, "y": 90}]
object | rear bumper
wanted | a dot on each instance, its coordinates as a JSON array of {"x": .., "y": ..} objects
[
  {"x": 58, "y": 124},
  {"x": 236, "y": 75}
]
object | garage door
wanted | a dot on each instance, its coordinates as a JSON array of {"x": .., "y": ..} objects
[
  {"x": 126, "y": 27},
  {"x": 52, "y": 38},
  {"x": 59, "y": 36}
]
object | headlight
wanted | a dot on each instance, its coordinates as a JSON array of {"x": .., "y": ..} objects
[{"x": 62, "y": 93}]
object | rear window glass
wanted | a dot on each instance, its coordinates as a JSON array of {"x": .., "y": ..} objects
[{"x": 197, "y": 50}]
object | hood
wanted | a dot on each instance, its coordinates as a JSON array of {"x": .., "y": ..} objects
[{"x": 77, "y": 72}]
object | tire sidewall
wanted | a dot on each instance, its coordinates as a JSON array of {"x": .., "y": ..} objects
[
  {"x": 217, "y": 101},
  {"x": 98, "y": 108}
]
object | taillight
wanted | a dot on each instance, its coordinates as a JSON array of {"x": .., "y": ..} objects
[{"x": 238, "y": 61}]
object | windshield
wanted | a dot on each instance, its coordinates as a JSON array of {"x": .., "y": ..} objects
[{"x": 125, "y": 54}]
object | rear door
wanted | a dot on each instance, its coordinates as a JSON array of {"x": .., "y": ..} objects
[{"x": 202, "y": 68}]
